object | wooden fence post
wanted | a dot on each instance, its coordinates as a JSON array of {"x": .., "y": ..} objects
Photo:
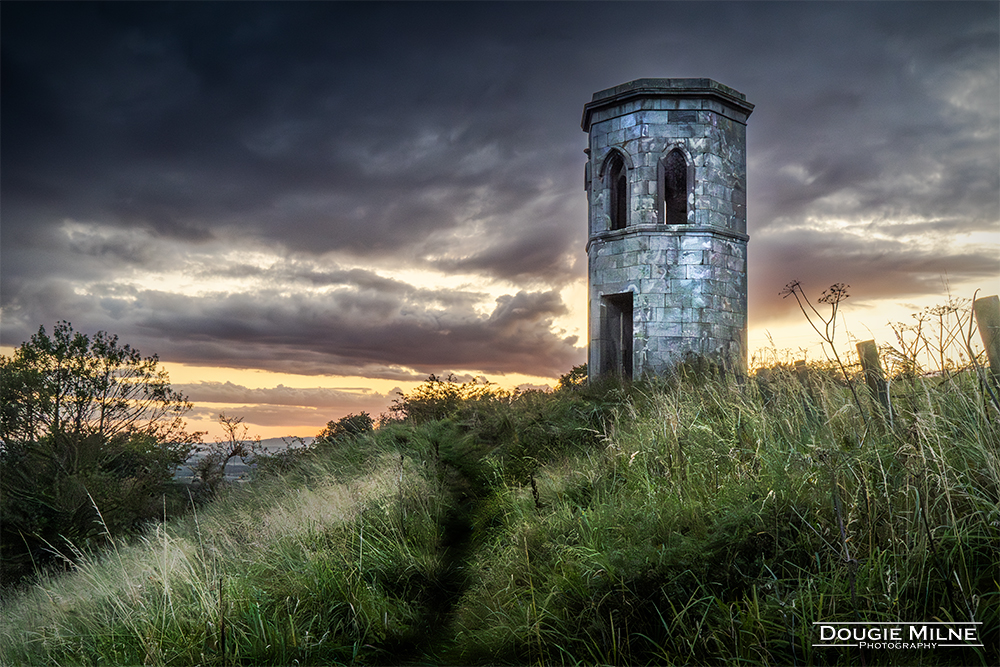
[
  {"x": 802, "y": 372},
  {"x": 811, "y": 402},
  {"x": 874, "y": 376},
  {"x": 987, "y": 310}
]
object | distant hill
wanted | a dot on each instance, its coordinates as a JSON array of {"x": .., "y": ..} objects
[
  {"x": 275, "y": 444},
  {"x": 237, "y": 469}
]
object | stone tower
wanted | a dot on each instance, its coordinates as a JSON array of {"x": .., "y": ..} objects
[{"x": 666, "y": 182}]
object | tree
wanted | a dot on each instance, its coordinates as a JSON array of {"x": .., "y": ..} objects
[
  {"x": 347, "y": 426},
  {"x": 236, "y": 441},
  {"x": 68, "y": 386},
  {"x": 90, "y": 436},
  {"x": 441, "y": 397},
  {"x": 575, "y": 379}
]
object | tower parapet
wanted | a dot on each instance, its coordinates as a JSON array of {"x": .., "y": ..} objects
[{"x": 666, "y": 183}]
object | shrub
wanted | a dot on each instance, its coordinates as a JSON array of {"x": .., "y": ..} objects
[
  {"x": 90, "y": 435},
  {"x": 346, "y": 427}
]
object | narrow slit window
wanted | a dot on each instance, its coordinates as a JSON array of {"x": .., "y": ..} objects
[
  {"x": 674, "y": 188},
  {"x": 618, "y": 185}
]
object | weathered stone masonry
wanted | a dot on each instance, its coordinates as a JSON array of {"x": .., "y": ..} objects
[{"x": 666, "y": 182}]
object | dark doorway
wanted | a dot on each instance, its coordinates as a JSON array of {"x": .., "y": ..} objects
[{"x": 616, "y": 335}]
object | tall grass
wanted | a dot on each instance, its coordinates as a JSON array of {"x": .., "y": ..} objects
[
  {"x": 312, "y": 567},
  {"x": 717, "y": 523},
  {"x": 681, "y": 521}
]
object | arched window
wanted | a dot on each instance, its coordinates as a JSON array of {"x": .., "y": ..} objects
[
  {"x": 673, "y": 188},
  {"x": 617, "y": 182}
]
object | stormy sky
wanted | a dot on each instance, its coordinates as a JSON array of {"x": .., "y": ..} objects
[{"x": 378, "y": 191}]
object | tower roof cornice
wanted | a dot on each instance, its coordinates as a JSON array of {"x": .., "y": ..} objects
[{"x": 665, "y": 89}]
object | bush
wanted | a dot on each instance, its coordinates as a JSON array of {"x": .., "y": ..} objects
[
  {"x": 90, "y": 436},
  {"x": 440, "y": 398},
  {"x": 346, "y": 427}
]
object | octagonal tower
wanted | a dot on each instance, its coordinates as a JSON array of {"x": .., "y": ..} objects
[{"x": 666, "y": 183}]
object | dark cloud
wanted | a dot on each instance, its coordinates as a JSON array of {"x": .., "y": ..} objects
[
  {"x": 312, "y": 397},
  {"x": 894, "y": 125},
  {"x": 273, "y": 123},
  {"x": 876, "y": 268},
  {"x": 288, "y": 416},
  {"x": 402, "y": 332},
  {"x": 281, "y": 405},
  {"x": 188, "y": 139}
]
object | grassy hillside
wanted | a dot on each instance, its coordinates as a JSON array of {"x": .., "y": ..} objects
[{"x": 693, "y": 521}]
